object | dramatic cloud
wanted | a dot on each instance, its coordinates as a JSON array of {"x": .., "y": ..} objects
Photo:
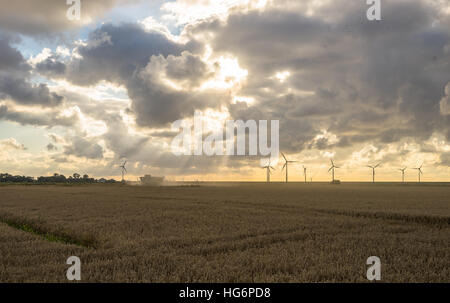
[
  {"x": 23, "y": 92},
  {"x": 157, "y": 100},
  {"x": 11, "y": 59},
  {"x": 346, "y": 75},
  {"x": 43, "y": 118},
  {"x": 340, "y": 85},
  {"x": 45, "y": 17},
  {"x": 161, "y": 76},
  {"x": 15, "y": 83},
  {"x": 84, "y": 148},
  {"x": 51, "y": 67},
  {"x": 115, "y": 53}
]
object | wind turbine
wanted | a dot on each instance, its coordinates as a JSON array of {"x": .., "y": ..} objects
[
  {"x": 419, "y": 170},
  {"x": 373, "y": 171},
  {"x": 332, "y": 169},
  {"x": 124, "y": 170},
  {"x": 286, "y": 162},
  {"x": 403, "y": 173},
  {"x": 268, "y": 168},
  {"x": 304, "y": 172}
]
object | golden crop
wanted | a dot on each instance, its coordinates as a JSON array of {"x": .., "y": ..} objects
[{"x": 225, "y": 232}]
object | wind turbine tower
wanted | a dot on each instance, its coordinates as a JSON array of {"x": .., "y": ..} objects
[
  {"x": 268, "y": 168},
  {"x": 332, "y": 169},
  {"x": 373, "y": 171},
  {"x": 419, "y": 170},
  {"x": 304, "y": 172},
  {"x": 124, "y": 170},
  {"x": 403, "y": 173},
  {"x": 286, "y": 162}
]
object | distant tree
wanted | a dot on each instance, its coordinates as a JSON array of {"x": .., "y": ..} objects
[
  {"x": 55, "y": 178},
  {"x": 15, "y": 179}
]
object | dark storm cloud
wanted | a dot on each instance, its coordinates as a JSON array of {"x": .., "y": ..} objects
[
  {"x": 116, "y": 52},
  {"x": 377, "y": 81},
  {"x": 84, "y": 148},
  {"x": 14, "y": 79},
  {"x": 127, "y": 54},
  {"x": 51, "y": 67},
  {"x": 10, "y": 58},
  {"x": 156, "y": 104},
  {"x": 188, "y": 68},
  {"x": 26, "y": 93},
  {"x": 35, "y": 118}
]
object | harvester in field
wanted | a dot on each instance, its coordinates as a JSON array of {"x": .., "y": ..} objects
[{"x": 148, "y": 180}]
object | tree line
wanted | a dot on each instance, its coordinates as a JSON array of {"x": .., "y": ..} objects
[{"x": 56, "y": 178}]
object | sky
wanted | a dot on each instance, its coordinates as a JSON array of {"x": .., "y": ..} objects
[{"x": 82, "y": 96}]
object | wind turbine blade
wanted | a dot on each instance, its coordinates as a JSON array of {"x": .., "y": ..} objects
[
  {"x": 332, "y": 163},
  {"x": 330, "y": 168},
  {"x": 272, "y": 167},
  {"x": 283, "y": 167},
  {"x": 377, "y": 165},
  {"x": 284, "y": 157}
]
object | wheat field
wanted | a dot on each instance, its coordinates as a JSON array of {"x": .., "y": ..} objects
[{"x": 251, "y": 232}]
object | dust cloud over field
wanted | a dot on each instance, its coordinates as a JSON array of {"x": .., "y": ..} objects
[{"x": 225, "y": 233}]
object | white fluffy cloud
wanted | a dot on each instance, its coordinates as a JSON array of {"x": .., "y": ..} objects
[{"x": 12, "y": 143}]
